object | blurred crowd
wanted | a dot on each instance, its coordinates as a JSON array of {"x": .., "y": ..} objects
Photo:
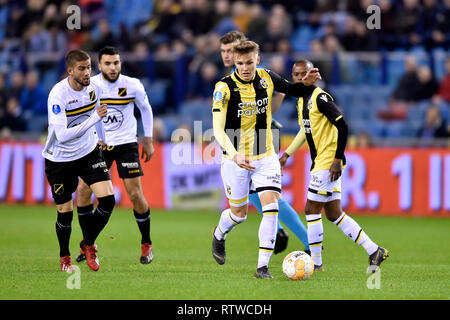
[{"x": 34, "y": 38}]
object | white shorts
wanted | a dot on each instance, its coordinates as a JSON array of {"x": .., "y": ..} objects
[
  {"x": 321, "y": 189},
  {"x": 236, "y": 180}
]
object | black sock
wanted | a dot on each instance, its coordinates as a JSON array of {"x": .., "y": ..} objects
[
  {"x": 85, "y": 216},
  {"x": 63, "y": 231},
  {"x": 143, "y": 221},
  {"x": 100, "y": 218}
]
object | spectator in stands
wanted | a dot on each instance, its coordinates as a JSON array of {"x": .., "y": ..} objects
[
  {"x": 278, "y": 65},
  {"x": 444, "y": 88},
  {"x": 159, "y": 130},
  {"x": 13, "y": 118},
  {"x": 36, "y": 38},
  {"x": 364, "y": 140},
  {"x": 257, "y": 23},
  {"x": 434, "y": 126},
  {"x": 33, "y": 99},
  {"x": 17, "y": 84},
  {"x": 203, "y": 84},
  {"x": 105, "y": 36},
  {"x": 3, "y": 94},
  {"x": 427, "y": 85},
  {"x": 407, "y": 19},
  {"x": 405, "y": 89}
]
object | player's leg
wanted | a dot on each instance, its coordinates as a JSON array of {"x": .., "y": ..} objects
[
  {"x": 85, "y": 207},
  {"x": 63, "y": 182},
  {"x": 267, "y": 231},
  {"x": 236, "y": 184},
  {"x": 291, "y": 219},
  {"x": 282, "y": 236},
  {"x": 94, "y": 172},
  {"x": 354, "y": 232},
  {"x": 141, "y": 212},
  {"x": 313, "y": 214}
]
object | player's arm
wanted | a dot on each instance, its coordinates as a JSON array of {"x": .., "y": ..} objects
[
  {"x": 299, "y": 89},
  {"x": 99, "y": 128},
  {"x": 298, "y": 141},
  {"x": 219, "y": 112},
  {"x": 147, "y": 121},
  {"x": 328, "y": 107},
  {"x": 277, "y": 99},
  {"x": 57, "y": 118}
]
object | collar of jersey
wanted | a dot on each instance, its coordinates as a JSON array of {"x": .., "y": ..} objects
[{"x": 236, "y": 74}]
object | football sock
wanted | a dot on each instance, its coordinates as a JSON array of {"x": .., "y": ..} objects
[
  {"x": 63, "y": 231},
  {"x": 254, "y": 199},
  {"x": 352, "y": 230},
  {"x": 291, "y": 219},
  {"x": 267, "y": 233},
  {"x": 143, "y": 221},
  {"x": 315, "y": 237},
  {"x": 226, "y": 223},
  {"x": 101, "y": 218},
  {"x": 85, "y": 214}
]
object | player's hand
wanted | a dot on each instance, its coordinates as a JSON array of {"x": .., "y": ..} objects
[
  {"x": 102, "y": 145},
  {"x": 335, "y": 170},
  {"x": 147, "y": 150},
  {"x": 102, "y": 110},
  {"x": 243, "y": 162},
  {"x": 283, "y": 159},
  {"x": 311, "y": 77}
]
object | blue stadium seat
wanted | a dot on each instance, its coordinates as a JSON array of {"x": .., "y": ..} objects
[{"x": 301, "y": 38}]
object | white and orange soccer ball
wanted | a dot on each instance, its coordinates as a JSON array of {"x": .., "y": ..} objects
[{"x": 298, "y": 265}]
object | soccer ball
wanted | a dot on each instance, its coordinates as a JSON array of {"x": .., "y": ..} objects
[{"x": 298, "y": 265}]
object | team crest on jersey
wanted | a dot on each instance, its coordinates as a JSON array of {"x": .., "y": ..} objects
[
  {"x": 56, "y": 108},
  {"x": 229, "y": 190},
  {"x": 310, "y": 104},
  {"x": 58, "y": 188},
  {"x": 92, "y": 95},
  {"x": 122, "y": 92},
  {"x": 264, "y": 83}
]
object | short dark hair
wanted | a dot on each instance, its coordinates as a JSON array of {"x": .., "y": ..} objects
[
  {"x": 109, "y": 51},
  {"x": 77, "y": 55},
  {"x": 232, "y": 36},
  {"x": 308, "y": 64}
]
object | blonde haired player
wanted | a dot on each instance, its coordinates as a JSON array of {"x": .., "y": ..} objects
[{"x": 242, "y": 119}]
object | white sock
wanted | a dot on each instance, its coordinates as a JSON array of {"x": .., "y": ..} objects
[
  {"x": 226, "y": 223},
  {"x": 352, "y": 230},
  {"x": 315, "y": 237},
  {"x": 267, "y": 233}
]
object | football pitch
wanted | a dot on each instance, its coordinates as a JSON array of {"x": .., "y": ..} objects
[{"x": 184, "y": 269}]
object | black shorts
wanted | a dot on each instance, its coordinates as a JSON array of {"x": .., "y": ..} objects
[
  {"x": 63, "y": 176},
  {"x": 127, "y": 159}
]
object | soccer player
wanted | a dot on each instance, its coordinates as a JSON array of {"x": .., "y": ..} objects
[
  {"x": 121, "y": 93},
  {"x": 242, "y": 118},
  {"x": 71, "y": 152},
  {"x": 326, "y": 133},
  {"x": 286, "y": 213}
]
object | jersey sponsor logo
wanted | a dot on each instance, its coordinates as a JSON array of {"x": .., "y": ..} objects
[
  {"x": 77, "y": 120},
  {"x": 99, "y": 164},
  {"x": 92, "y": 95},
  {"x": 307, "y": 125},
  {"x": 253, "y": 107},
  {"x": 58, "y": 188},
  {"x": 113, "y": 120},
  {"x": 218, "y": 96},
  {"x": 130, "y": 165},
  {"x": 56, "y": 109},
  {"x": 122, "y": 92},
  {"x": 72, "y": 101}
]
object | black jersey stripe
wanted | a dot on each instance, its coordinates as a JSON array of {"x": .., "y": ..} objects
[
  {"x": 308, "y": 133},
  {"x": 81, "y": 110},
  {"x": 260, "y": 135},
  {"x": 117, "y": 101}
]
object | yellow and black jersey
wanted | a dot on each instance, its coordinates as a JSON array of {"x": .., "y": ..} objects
[
  {"x": 242, "y": 113},
  {"x": 321, "y": 120}
]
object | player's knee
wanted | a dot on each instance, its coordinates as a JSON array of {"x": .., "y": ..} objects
[
  {"x": 332, "y": 215},
  {"x": 106, "y": 204}
]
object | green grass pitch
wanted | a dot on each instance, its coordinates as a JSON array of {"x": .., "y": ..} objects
[{"x": 183, "y": 267}]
